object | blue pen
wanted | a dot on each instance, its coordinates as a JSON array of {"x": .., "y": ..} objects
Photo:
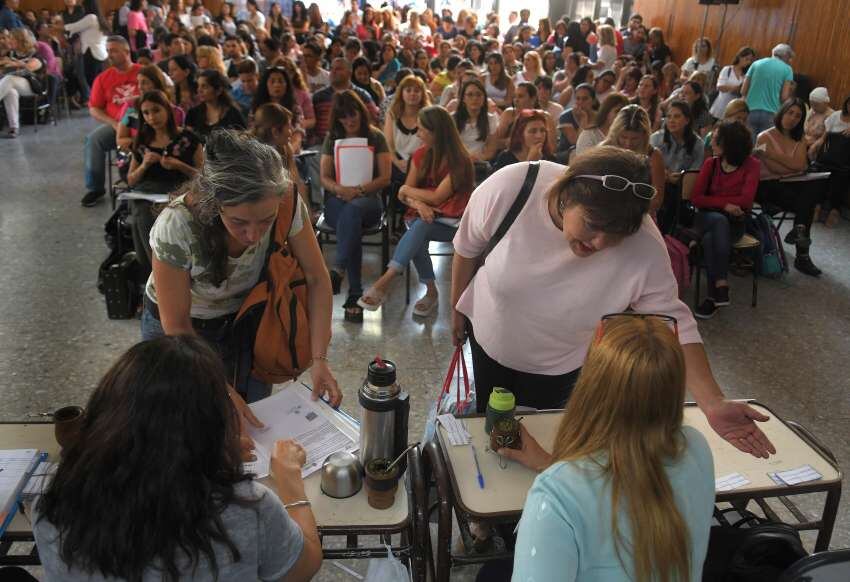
[{"x": 477, "y": 467}]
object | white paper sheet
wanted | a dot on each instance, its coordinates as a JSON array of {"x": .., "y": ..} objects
[
  {"x": 290, "y": 414},
  {"x": 730, "y": 482},
  {"x": 15, "y": 464},
  {"x": 457, "y": 433},
  {"x": 353, "y": 161},
  {"x": 802, "y": 474}
]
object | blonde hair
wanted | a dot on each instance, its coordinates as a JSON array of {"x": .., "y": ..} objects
[
  {"x": 397, "y": 106},
  {"x": 536, "y": 57},
  {"x": 24, "y": 40},
  {"x": 606, "y": 35},
  {"x": 625, "y": 415},
  {"x": 214, "y": 56},
  {"x": 736, "y": 106},
  {"x": 630, "y": 118}
]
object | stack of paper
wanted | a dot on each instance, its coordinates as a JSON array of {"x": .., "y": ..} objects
[
  {"x": 730, "y": 482},
  {"x": 353, "y": 161},
  {"x": 16, "y": 466},
  {"x": 802, "y": 474},
  {"x": 291, "y": 414},
  {"x": 455, "y": 430}
]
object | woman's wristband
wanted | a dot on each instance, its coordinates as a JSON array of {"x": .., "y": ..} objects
[{"x": 299, "y": 503}]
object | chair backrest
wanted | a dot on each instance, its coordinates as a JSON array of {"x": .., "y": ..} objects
[
  {"x": 689, "y": 178},
  {"x": 831, "y": 566}
]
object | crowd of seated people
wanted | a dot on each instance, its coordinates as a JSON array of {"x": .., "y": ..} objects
[{"x": 445, "y": 103}]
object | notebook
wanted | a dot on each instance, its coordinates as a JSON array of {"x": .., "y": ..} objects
[{"x": 16, "y": 467}]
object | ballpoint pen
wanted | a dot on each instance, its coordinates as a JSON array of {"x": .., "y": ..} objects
[{"x": 477, "y": 467}]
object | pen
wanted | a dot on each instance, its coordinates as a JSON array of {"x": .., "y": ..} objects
[{"x": 477, "y": 467}]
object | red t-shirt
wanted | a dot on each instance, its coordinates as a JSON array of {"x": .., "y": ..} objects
[{"x": 112, "y": 89}]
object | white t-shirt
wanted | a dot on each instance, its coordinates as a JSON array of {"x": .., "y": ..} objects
[
  {"x": 258, "y": 19},
  {"x": 833, "y": 123},
  {"x": 318, "y": 81},
  {"x": 727, "y": 77},
  {"x": 607, "y": 54},
  {"x": 707, "y": 67},
  {"x": 535, "y": 305},
  {"x": 469, "y": 135},
  {"x": 589, "y": 138}
]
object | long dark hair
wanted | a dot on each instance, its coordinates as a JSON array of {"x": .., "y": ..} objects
[
  {"x": 500, "y": 82},
  {"x": 146, "y": 133},
  {"x": 699, "y": 107},
  {"x": 344, "y": 104},
  {"x": 461, "y": 115},
  {"x": 220, "y": 85},
  {"x": 356, "y": 64},
  {"x": 262, "y": 96},
  {"x": 688, "y": 132},
  {"x": 654, "y": 102},
  {"x": 796, "y": 132},
  {"x": 184, "y": 63},
  {"x": 155, "y": 465},
  {"x": 448, "y": 151}
]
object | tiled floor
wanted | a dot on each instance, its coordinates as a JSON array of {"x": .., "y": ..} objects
[{"x": 790, "y": 353}]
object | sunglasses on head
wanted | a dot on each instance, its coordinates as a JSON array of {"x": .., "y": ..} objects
[{"x": 620, "y": 184}]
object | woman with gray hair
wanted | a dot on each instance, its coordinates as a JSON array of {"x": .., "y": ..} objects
[{"x": 209, "y": 248}]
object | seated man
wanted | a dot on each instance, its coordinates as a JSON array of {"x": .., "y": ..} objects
[{"x": 113, "y": 88}]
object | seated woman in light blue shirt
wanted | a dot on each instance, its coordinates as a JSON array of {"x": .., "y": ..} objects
[{"x": 629, "y": 492}]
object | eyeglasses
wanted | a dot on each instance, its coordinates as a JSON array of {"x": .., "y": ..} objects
[
  {"x": 671, "y": 321},
  {"x": 620, "y": 184}
]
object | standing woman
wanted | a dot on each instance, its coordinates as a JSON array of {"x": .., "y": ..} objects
[
  {"x": 631, "y": 131},
  {"x": 498, "y": 85},
  {"x": 782, "y": 152},
  {"x": 402, "y": 124},
  {"x": 730, "y": 80},
  {"x": 182, "y": 73},
  {"x": 209, "y": 248},
  {"x": 276, "y": 24},
  {"x": 477, "y": 127},
  {"x": 351, "y": 209},
  {"x": 217, "y": 109},
  {"x": 529, "y": 141},
  {"x": 608, "y": 111},
  {"x": 647, "y": 97},
  {"x": 92, "y": 42},
  {"x": 160, "y": 432},
  {"x": 575, "y": 226},
  {"x": 628, "y": 490},
  {"x": 437, "y": 189}
]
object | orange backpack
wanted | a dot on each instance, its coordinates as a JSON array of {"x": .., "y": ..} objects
[{"x": 271, "y": 330}]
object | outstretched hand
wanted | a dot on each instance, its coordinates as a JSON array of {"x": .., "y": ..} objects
[{"x": 736, "y": 423}]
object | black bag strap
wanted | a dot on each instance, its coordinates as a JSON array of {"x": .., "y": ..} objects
[{"x": 513, "y": 211}]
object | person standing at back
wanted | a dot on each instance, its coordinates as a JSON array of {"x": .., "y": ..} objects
[
  {"x": 768, "y": 84},
  {"x": 113, "y": 88}
]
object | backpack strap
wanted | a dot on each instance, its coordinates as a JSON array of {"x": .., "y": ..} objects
[{"x": 515, "y": 209}]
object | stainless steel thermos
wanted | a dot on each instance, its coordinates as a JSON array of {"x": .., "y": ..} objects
[{"x": 385, "y": 412}]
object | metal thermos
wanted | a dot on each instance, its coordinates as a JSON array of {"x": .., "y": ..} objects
[{"x": 383, "y": 426}]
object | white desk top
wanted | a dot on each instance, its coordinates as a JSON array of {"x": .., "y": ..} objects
[
  {"x": 351, "y": 513},
  {"x": 505, "y": 489}
]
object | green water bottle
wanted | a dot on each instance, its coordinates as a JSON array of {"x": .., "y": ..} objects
[{"x": 501, "y": 404}]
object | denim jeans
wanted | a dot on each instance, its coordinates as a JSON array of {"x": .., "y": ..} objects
[
  {"x": 414, "y": 246},
  {"x": 349, "y": 219},
  {"x": 718, "y": 234},
  {"x": 98, "y": 143},
  {"x": 760, "y": 121},
  {"x": 253, "y": 391}
]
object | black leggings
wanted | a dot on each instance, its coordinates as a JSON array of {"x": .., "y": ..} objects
[
  {"x": 797, "y": 197},
  {"x": 534, "y": 390}
]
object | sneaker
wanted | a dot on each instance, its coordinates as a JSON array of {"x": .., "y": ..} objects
[
  {"x": 721, "y": 296},
  {"x": 706, "y": 310},
  {"x": 92, "y": 198},
  {"x": 804, "y": 264}
]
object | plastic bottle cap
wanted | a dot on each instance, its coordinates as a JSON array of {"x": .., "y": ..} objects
[{"x": 501, "y": 399}]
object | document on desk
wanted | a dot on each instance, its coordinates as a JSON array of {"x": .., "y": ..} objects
[
  {"x": 291, "y": 414},
  {"x": 16, "y": 466}
]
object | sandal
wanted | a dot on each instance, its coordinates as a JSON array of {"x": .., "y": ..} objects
[
  {"x": 336, "y": 281},
  {"x": 353, "y": 311},
  {"x": 376, "y": 299},
  {"x": 426, "y": 306}
]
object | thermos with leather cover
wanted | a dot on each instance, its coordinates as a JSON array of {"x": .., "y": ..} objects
[{"x": 386, "y": 408}]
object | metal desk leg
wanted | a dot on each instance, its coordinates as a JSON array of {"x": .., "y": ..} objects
[
  {"x": 444, "y": 524},
  {"x": 830, "y": 510},
  {"x": 420, "y": 559}
]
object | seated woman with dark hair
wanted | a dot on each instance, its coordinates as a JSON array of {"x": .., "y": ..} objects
[
  {"x": 182, "y": 72},
  {"x": 217, "y": 109},
  {"x": 782, "y": 152},
  {"x": 361, "y": 76},
  {"x": 150, "y": 78},
  {"x": 276, "y": 87},
  {"x": 724, "y": 193},
  {"x": 580, "y": 116},
  {"x": 154, "y": 487},
  {"x": 351, "y": 209},
  {"x": 273, "y": 126},
  {"x": 529, "y": 140},
  {"x": 477, "y": 127},
  {"x": 439, "y": 182}
]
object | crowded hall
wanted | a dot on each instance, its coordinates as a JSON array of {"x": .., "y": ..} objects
[{"x": 424, "y": 290}]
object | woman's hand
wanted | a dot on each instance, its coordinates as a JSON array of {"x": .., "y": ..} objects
[
  {"x": 347, "y": 193},
  {"x": 150, "y": 159},
  {"x": 287, "y": 459},
  {"x": 458, "y": 328},
  {"x": 531, "y": 455},
  {"x": 325, "y": 383},
  {"x": 426, "y": 213},
  {"x": 735, "y": 422},
  {"x": 535, "y": 152}
]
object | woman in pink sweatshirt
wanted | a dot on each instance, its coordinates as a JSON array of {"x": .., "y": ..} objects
[
  {"x": 724, "y": 193},
  {"x": 582, "y": 246}
]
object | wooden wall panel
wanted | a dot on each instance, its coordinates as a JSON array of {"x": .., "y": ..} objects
[{"x": 816, "y": 30}]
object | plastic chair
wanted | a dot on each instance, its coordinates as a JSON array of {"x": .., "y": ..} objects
[
  {"x": 830, "y": 566},
  {"x": 746, "y": 243}
]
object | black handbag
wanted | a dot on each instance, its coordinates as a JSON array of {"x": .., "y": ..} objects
[
  {"x": 119, "y": 276},
  {"x": 834, "y": 154}
]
